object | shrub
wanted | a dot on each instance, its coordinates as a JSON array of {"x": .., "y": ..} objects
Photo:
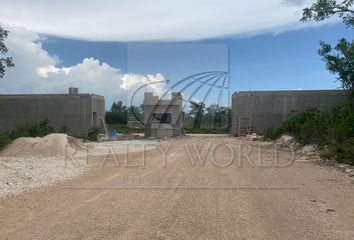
[
  {"x": 65, "y": 129},
  {"x": 307, "y": 127},
  {"x": 273, "y": 133},
  {"x": 4, "y": 139},
  {"x": 332, "y": 129},
  {"x": 207, "y": 130},
  {"x": 92, "y": 134},
  {"x": 32, "y": 129},
  {"x": 116, "y": 118}
]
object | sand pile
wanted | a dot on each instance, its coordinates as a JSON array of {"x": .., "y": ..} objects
[
  {"x": 34, "y": 162},
  {"x": 52, "y": 145}
]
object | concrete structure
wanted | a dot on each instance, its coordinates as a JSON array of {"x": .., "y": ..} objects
[
  {"x": 78, "y": 112},
  {"x": 163, "y": 118},
  {"x": 260, "y": 110}
]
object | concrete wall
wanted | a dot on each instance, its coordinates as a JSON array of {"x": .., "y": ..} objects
[
  {"x": 152, "y": 104},
  {"x": 270, "y": 108},
  {"x": 75, "y": 111},
  {"x": 98, "y": 106}
]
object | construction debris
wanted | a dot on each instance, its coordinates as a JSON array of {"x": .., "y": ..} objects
[
  {"x": 252, "y": 137},
  {"x": 287, "y": 141}
]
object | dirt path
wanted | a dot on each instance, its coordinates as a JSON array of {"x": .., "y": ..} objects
[{"x": 221, "y": 200}]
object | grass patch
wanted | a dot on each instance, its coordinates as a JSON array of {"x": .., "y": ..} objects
[
  {"x": 207, "y": 130},
  {"x": 124, "y": 129}
]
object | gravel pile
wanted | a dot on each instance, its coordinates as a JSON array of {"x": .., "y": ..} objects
[
  {"x": 34, "y": 162},
  {"x": 288, "y": 142}
]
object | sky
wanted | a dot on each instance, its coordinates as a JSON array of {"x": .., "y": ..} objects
[{"x": 112, "y": 48}]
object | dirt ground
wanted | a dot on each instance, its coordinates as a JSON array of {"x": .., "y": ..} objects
[{"x": 242, "y": 191}]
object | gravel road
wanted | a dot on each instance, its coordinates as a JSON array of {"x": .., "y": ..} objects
[{"x": 234, "y": 190}]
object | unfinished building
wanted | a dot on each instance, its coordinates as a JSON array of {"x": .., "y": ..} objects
[
  {"x": 163, "y": 118},
  {"x": 78, "y": 112},
  {"x": 256, "y": 111}
]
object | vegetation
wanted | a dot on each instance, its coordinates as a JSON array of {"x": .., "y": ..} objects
[
  {"x": 136, "y": 113},
  {"x": 208, "y": 130},
  {"x": 92, "y": 134},
  {"x": 124, "y": 129},
  {"x": 32, "y": 129},
  {"x": 28, "y": 129},
  {"x": 4, "y": 139},
  {"x": 197, "y": 113},
  {"x": 323, "y": 9},
  {"x": 209, "y": 120},
  {"x": 64, "y": 129},
  {"x": 4, "y": 60},
  {"x": 332, "y": 130},
  {"x": 341, "y": 63},
  {"x": 339, "y": 59},
  {"x": 39, "y": 129},
  {"x": 199, "y": 118},
  {"x": 118, "y": 114}
]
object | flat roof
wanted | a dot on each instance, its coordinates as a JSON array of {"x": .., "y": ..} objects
[
  {"x": 326, "y": 91},
  {"x": 46, "y": 95}
]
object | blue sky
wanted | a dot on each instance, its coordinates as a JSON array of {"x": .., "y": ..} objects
[{"x": 286, "y": 61}]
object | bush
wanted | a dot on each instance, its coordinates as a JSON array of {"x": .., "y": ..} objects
[
  {"x": 332, "y": 129},
  {"x": 273, "y": 133},
  {"x": 116, "y": 118},
  {"x": 92, "y": 134},
  {"x": 207, "y": 130},
  {"x": 4, "y": 139},
  {"x": 29, "y": 129},
  {"x": 65, "y": 129},
  {"x": 32, "y": 129}
]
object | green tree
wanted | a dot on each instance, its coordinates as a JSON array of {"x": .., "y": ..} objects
[
  {"x": 117, "y": 114},
  {"x": 197, "y": 111},
  {"x": 341, "y": 64},
  {"x": 213, "y": 116},
  {"x": 339, "y": 59},
  {"x": 4, "y": 60},
  {"x": 118, "y": 107},
  {"x": 136, "y": 113},
  {"x": 323, "y": 9}
]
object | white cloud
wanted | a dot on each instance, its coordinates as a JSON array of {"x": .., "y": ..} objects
[
  {"x": 295, "y": 2},
  {"x": 44, "y": 71},
  {"x": 152, "y": 20},
  {"x": 37, "y": 72}
]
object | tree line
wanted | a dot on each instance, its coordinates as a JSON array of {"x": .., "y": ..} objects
[{"x": 198, "y": 115}]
